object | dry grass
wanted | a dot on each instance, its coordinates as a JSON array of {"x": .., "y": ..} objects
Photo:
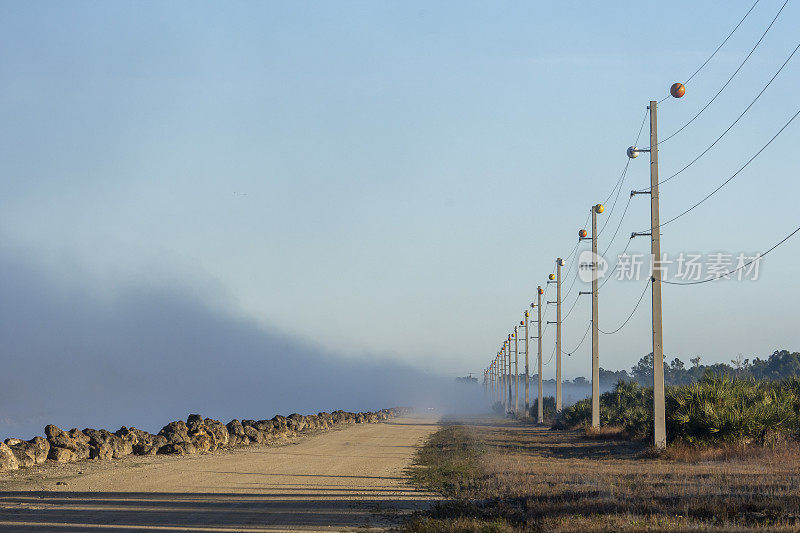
[
  {"x": 525, "y": 478},
  {"x": 680, "y": 452},
  {"x": 606, "y": 433}
]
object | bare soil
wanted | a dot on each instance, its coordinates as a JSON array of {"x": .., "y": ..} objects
[{"x": 340, "y": 480}]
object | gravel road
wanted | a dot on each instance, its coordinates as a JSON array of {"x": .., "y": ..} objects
[{"x": 341, "y": 480}]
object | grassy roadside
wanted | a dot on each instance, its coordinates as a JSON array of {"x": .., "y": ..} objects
[
  {"x": 451, "y": 463},
  {"x": 448, "y": 462},
  {"x": 502, "y": 476}
]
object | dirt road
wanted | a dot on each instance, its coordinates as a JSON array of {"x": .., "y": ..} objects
[{"x": 339, "y": 480}]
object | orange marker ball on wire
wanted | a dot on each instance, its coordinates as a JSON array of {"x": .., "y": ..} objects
[
  {"x": 582, "y": 234},
  {"x": 677, "y": 90}
]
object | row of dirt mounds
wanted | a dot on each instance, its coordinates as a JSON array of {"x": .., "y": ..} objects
[{"x": 196, "y": 435}]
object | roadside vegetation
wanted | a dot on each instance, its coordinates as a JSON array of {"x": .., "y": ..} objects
[
  {"x": 548, "y": 408},
  {"x": 717, "y": 410},
  {"x": 502, "y": 476},
  {"x": 732, "y": 463}
]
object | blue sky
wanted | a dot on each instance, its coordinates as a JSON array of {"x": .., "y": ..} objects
[{"x": 394, "y": 179}]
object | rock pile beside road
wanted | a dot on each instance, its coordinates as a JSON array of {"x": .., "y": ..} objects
[{"x": 195, "y": 435}]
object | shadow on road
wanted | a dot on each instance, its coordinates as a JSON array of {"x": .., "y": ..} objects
[{"x": 132, "y": 511}]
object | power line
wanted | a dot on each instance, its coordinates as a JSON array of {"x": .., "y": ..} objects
[
  {"x": 618, "y": 184},
  {"x": 757, "y": 258},
  {"x": 621, "y": 178},
  {"x": 616, "y": 198},
  {"x": 635, "y": 307},
  {"x": 630, "y": 240},
  {"x": 693, "y": 161},
  {"x": 564, "y": 319},
  {"x": 571, "y": 286},
  {"x": 573, "y": 350},
  {"x": 729, "y": 79},
  {"x": 624, "y": 212},
  {"x": 722, "y": 43},
  {"x": 551, "y": 357},
  {"x": 588, "y": 217},
  {"x": 575, "y": 248},
  {"x": 580, "y": 343},
  {"x": 724, "y": 183}
]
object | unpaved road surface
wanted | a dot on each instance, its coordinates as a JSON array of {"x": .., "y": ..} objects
[{"x": 341, "y": 480}]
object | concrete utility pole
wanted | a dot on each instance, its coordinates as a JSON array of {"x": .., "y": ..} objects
[
  {"x": 595, "y": 332},
  {"x": 516, "y": 370},
  {"x": 539, "y": 342},
  {"x": 659, "y": 409},
  {"x": 659, "y": 415},
  {"x": 496, "y": 378},
  {"x": 508, "y": 351},
  {"x": 503, "y": 378},
  {"x": 559, "y": 263},
  {"x": 508, "y": 375},
  {"x": 499, "y": 390},
  {"x": 491, "y": 383},
  {"x": 495, "y": 381},
  {"x": 527, "y": 371},
  {"x": 502, "y": 371}
]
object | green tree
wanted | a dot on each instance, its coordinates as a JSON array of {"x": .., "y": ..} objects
[{"x": 781, "y": 364}]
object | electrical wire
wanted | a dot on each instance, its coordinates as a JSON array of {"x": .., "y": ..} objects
[
  {"x": 610, "y": 270},
  {"x": 618, "y": 186},
  {"x": 718, "y": 48},
  {"x": 758, "y": 258},
  {"x": 620, "y": 181},
  {"x": 704, "y": 152},
  {"x": 564, "y": 318},
  {"x": 729, "y": 79},
  {"x": 580, "y": 343},
  {"x": 724, "y": 183},
  {"x": 575, "y": 248},
  {"x": 569, "y": 269},
  {"x": 605, "y": 251},
  {"x": 571, "y": 286},
  {"x": 625, "y": 212},
  {"x": 550, "y": 358},
  {"x": 616, "y": 198},
  {"x": 635, "y": 307},
  {"x": 722, "y": 43}
]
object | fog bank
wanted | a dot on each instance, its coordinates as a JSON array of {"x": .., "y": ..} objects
[{"x": 149, "y": 354}]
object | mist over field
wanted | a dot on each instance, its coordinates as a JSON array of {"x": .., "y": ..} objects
[{"x": 146, "y": 354}]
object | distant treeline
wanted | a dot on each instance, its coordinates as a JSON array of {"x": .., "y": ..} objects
[{"x": 779, "y": 365}]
